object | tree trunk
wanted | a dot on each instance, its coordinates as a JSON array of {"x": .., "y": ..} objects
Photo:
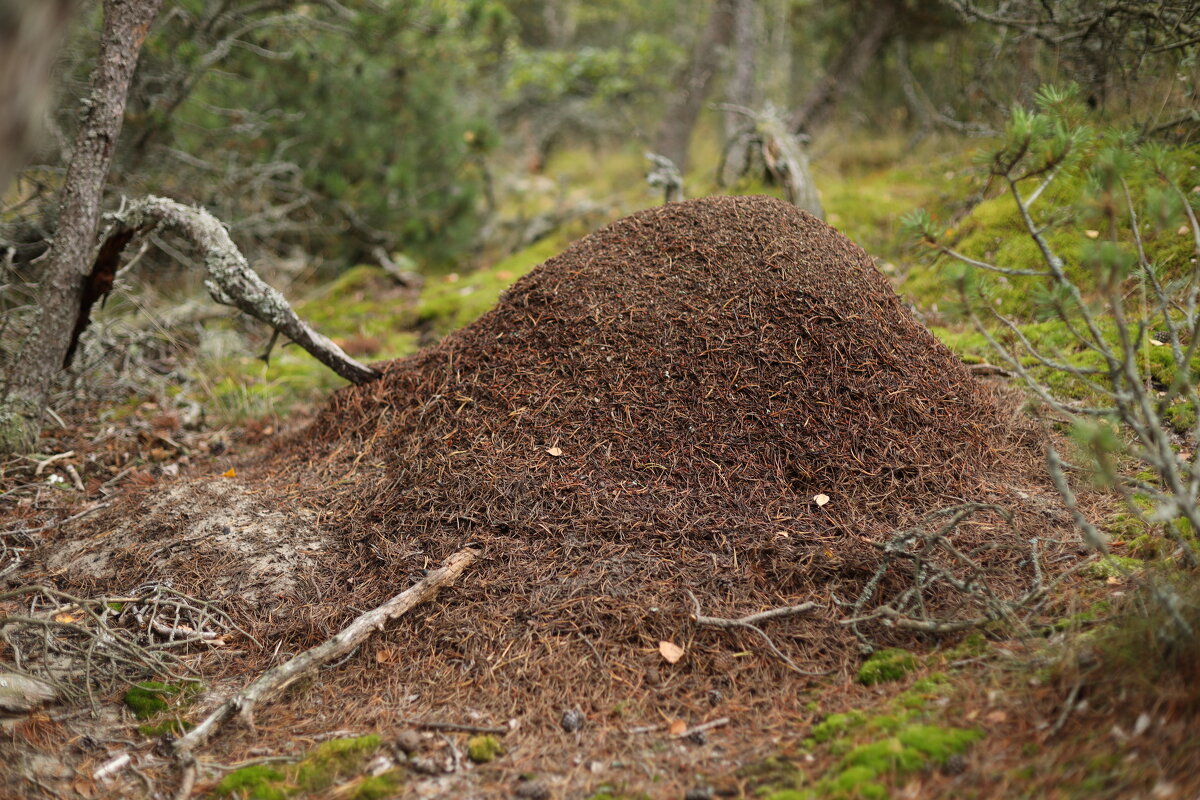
[
  {"x": 126, "y": 23},
  {"x": 683, "y": 107},
  {"x": 30, "y": 36},
  {"x": 848, "y": 69},
  {"x": 742, "y": 87}
]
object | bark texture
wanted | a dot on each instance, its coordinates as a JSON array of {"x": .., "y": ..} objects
[
  {"x": 126, "y": 23},
  {"x": 683, "y": 108},
  {"x": 743, "y": 88},
  {"x": 230, "y": 279},
  {"x": 848, "y": 69}
]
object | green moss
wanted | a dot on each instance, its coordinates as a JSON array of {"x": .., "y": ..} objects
[
  {"x": 172, "y": 726},
  {"x": 328, "y": 763},
  {"x": 886, "y": 665},
  {"x": 333, "y": 760},
  {"x": 449, "y": 304},
  {"x": 484, "y": 749},
  {"x": 255, "y": 782},
  {"x": 837, "y": 725},
  {"x": 1114, "y": 567},
  {"x": 148, "y": 698},
  {"x": 378, "y": 787}
]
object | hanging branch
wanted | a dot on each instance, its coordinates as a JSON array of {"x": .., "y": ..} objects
[{"x": 230, "y": 279}]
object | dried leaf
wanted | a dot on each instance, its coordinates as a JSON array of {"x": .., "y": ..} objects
[
  {"x": 67, "y": 617},
  {"x": 997, "y": 716},
  {"x": 555, "y": 451},
  {"x": 230, "y": 473},
  {"x": 677, "y": 728},
  {"x": 821, "y": 499},
  {"x": 670, "y": 651}
]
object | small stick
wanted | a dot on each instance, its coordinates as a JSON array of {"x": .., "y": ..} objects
[
  {"x": 458, "y": 728},
  {"x": 275, "y": 680},
  {"x": 716, "y": 723},
  {"x": 750, "y": 623}
]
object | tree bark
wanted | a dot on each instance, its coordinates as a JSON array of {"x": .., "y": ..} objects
[
  {"x": 126, "y": 23},
  {"x": 847, "y": 70},
  {"x": 230, "y": 280},
  {"x": 684, "y": 106},
  {"x": 742, "y": 87},
  {"x": 31, "y": 34}
]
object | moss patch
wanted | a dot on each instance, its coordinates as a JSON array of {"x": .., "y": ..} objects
[
  {"x": 149, "y": 698},
  {"x": 483, "y": 749},
  {"x": 330, "y": 762},
  {"x": 891, "y": 664},
  {"x": 1115, "y": 567}
]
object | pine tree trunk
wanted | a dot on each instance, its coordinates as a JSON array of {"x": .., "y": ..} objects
[
  {"x": 126, "y": 23},
  {"x": 684, "y": 106},
  {"x": 743, "y": 88}
]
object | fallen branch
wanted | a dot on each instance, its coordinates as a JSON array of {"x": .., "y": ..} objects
[
  {"x": 230, "y": 280},
  {"x": 275, "y": 680},
  {"x": 460, "y": 728},
  {"x": 751, "y": 621}
]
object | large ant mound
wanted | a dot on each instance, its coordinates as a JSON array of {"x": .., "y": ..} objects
[
  {"x": 693, "y": 372},
  {"x": 720, "y": 397}
]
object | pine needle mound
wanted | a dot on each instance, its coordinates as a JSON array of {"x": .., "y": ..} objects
[
  {"x": 661, "y": 409},
  {"x": 696, "y": 371},
  {"x": 652, "y": 412}
]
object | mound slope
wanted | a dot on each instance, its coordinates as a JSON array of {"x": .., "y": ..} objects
[
  {"x": 692, "y": 370},
  {"x": 648, "y": 414}
]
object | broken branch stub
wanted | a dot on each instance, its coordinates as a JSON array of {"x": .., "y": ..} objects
[{"x": 232, "y": 282}]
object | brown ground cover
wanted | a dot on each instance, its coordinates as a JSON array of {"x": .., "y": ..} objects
[{"x": 650, "y": 413}]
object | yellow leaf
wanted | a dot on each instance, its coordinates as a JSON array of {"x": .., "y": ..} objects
[
  {"x": 555, "y": 451},
  {"x": 230, "y": 473},
  {"x": 1092, "y": 234},
  {"x": 670, "y": 651}
]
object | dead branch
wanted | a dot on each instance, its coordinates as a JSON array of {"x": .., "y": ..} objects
[
  {"x": 495, "y": 730},
  {"x": 750, "y": 623},
  {"x": 275, "y": 680},
  {"x": 231, "y": 281},
  {"x": 937, "y": 565}
]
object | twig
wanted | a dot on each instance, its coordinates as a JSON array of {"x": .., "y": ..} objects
[
  {"x": 750, "y": 623},
  {"x": 460, "y": 728},
  {"x": 707, "y": 726},
  {"x": 275, "y": 680}
]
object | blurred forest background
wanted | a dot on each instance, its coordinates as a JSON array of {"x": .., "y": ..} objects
[{"x": 391, "y": 166}]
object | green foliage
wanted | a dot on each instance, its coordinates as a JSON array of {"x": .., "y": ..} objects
[{"x": 890, "y": 664}]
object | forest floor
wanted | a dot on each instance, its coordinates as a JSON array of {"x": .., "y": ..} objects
[{"x": 1077, "y": 700}]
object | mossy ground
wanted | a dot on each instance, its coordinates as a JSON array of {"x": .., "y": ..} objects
[
  {"x": 863, "y": 752},
  {"x": 338, "y": 761}
]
